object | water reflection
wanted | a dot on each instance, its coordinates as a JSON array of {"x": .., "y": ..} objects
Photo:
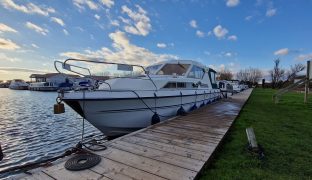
[{"x": 30, "y": 131}]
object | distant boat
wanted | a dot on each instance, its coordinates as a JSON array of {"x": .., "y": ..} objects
[
  {"x": 18, "y": 84},
  {"x": 50, "y": 82},
  {"x": 43, "y": 86}
]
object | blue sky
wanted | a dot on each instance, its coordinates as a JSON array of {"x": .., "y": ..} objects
[{"x": 230, "y": 34}]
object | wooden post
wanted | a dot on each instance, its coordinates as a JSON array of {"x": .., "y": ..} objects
[
  {"x": 252, "y": 138},
  {"x": 306, "y": 92}
]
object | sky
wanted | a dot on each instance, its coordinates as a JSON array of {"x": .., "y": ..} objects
[{"x": 230, "y": 34}]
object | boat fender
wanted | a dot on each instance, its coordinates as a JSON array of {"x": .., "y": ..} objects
[
  {"x": 181, "y": 112},
  {"x": 59, "y": 107},
  {"x": 193, "y": 107},
  {"x": 155, "y": 119},
  {"x": 1, "y": 153},
  {"x": 203, "y": 104}
]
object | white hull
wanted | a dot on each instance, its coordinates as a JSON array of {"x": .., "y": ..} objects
[{"x": 120, "y": 116}]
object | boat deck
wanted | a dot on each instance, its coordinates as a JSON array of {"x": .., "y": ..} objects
[{"x": 175, "y": 149}]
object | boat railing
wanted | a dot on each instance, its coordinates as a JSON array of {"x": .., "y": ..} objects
[{"x": 67, "y": 66}]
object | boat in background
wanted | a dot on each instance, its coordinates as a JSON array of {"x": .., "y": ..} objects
[
  {"x": 18, "y": 84},
  {"x": 43, "y": 86}
]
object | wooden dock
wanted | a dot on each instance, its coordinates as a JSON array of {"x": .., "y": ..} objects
[{"x": 175, "y": 149}]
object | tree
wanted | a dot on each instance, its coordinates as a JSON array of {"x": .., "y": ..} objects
[
  {"x": 277, "y": 74},
  {"x": 225, "y": 75},
  {"x": 252, "y": 75},
  {"x": 292, "y": 72}
]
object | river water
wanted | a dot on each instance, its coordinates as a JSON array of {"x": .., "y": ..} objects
[{"x": 29, "y": 131}]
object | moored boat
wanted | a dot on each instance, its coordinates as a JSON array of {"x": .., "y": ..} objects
[
  {"x": 121, "y": 105},
  {"x": 18, "y": 84}
]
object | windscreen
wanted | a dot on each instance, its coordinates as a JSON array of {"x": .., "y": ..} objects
[{"x": 172, "y": 69}]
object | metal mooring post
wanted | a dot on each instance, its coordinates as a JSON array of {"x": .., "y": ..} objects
[{"x": 306, "y": 92}]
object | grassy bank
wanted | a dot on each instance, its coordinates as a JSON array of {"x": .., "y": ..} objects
[{"x": 285, "y": 132}]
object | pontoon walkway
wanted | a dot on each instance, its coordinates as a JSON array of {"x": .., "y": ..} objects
[{"x": 175, "y": 149}]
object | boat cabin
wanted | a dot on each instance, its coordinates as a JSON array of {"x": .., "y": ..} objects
[{"x": 184, "y": 69}]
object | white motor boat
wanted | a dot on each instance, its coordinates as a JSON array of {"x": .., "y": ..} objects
[
  {"x": 43, "y": 86},
  {"x": 225, "y": 86},
  {"x": 236, "y": 86},
  {"x": 121, "y": 105},
  {"x": 18, "y": 84}
]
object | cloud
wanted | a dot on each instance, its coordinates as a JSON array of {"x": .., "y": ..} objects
[
  {"x": 193, "y": 24},
  {"x": 6, "y": 28},
  {"x": 228, "y": 54},
  {"x": 232, "y": 3},
  {"x": 114, "y": 23},
  {"x": 161, "y": 45},
  {"x": 30, "y": 8},
  {"x": 17, "y": 69},
  {"x": 96, "y": 16},
  {"x": 80, "y": 4},
  {"x": 139, "y": 22},
  {"x": 107, "y": 3},
  {"x": 58, "y": 21},
  {"x": 4, "y": 57},
  {"x": 200, "y": 34},
  {"x": 270, "y": 12},
  {"x": 34, "y": 45},
  {"x": 304, "y": 57},
  {"x": 282, "y": 52},
  {"x": 232, "y": 38},
  {"x": 65, "y": 32},
  {"x": 220, "y": 32},
  {"x": 36, "y": 28},
  {"x": 7, "y": 44},
  {"x": 248, "y": 18},
  {"x": 122, "y": 51}
]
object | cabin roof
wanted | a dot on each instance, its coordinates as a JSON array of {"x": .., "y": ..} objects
[{"x": 179, "y": 61}]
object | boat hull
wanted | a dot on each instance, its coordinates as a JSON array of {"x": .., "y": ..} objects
[
  {"x": 19, "y": 87},
  {"x": 115, "y": 117}
]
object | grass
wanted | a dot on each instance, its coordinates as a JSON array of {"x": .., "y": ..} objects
[{"x": 284, "y": 130}]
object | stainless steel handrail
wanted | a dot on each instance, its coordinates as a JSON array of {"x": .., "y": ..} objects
[{"x": 100, "y": 62}]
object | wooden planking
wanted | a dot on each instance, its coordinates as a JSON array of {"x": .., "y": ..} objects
[
  {"x": 37, "y": 176},
  {"x": 59, "y": 172},
  {"x": 167, "y": 147},
  {"x": 149, "y": 165},
  {"x": 189, "y": 132},
  {"x": 174, "y": 149},
  {"x": 176, "y": 140},
  {"x": 115, "y": 170},
  {"x": 188, "y": 136},
  {"x": 169, "y": 158}
]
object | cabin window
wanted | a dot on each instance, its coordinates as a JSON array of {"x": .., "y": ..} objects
[
  {"x": 175, "y": 85},
  {"x": 153, "y": 69},
  {"x": 196, "y": 72},
  {"x": 171, "y": 69},
  {"x": 171, "y": 85},
  {"x": 181, "y": 85},
  {"x": 213, "y": 77}
]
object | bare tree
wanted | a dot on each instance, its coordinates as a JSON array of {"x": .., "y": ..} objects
[
  {"x": 277, "y": 74},
  {"x": 225, "y": 75},
  {"x": 292, "y": 72},
  {"x": 252, "y": 75}
]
